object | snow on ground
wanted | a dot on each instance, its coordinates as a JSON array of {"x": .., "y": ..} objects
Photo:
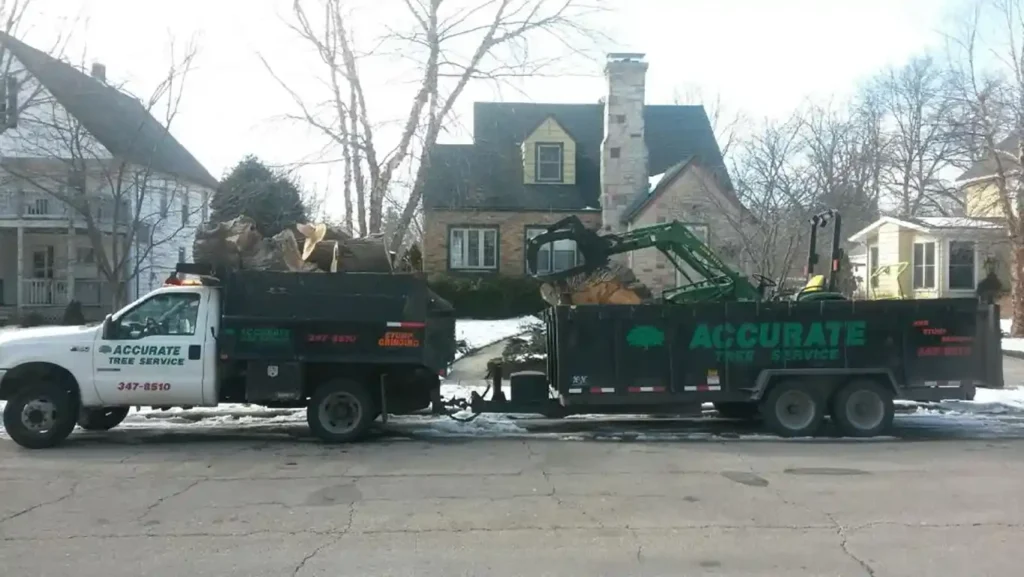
[
  {"x": 481, "y": 333},
  {"x": 1010, "y": 344}
]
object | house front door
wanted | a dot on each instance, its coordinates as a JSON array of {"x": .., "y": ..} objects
[{"x": 41, "y": 289}]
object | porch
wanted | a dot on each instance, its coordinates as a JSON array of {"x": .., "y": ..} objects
[{"x": 42, "y": 268}]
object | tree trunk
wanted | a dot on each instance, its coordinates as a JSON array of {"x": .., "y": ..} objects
[
  {"x": 611, "y": 284},
  {"x": 1017, "y": 288}
]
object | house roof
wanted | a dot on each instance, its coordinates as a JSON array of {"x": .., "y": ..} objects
[
  {"x": 929, "y": 224},
  {"x": 987, "y": 167},
  {"x": 661, "y": 182},
  {"x": 488, "y": 174},
  {"x": 116, "y": 120}
]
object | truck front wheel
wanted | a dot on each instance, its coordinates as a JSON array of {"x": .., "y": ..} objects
[
  {"x": 41, "y": 416},
  {"x": 340, "y": 411},
  {"x": 102, "y": 419},
  {"x": 863, "y": 408},
  {"x": 793, "y": 409}
]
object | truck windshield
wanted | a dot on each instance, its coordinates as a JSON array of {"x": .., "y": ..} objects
[{"x": 169, "y": 314}]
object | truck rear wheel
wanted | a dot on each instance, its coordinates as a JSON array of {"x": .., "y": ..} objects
[
  {"x": 102, "y": 419},
  {"x": 863, "y": 408},
  {"x": 793, "y": 409},
  {"x": 41, "y": 416},
  {"x": 340, "y": 411}
]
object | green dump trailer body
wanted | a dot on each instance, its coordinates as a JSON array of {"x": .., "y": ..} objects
[{"x": 925, "y": 350}]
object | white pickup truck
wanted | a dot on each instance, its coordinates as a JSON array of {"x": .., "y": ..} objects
[{"x": 347, "y": 346}]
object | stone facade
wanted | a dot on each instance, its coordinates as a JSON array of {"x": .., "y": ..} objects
[
  {"x": 694, "y": 198},
  {"x": 511, "y": 235},
  {"x": 623, "y": 151}
]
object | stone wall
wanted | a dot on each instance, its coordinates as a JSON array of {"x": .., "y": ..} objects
[{"x": 693, "y": 198}]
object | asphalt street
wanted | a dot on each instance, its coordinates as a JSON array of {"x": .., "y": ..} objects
[{"x": 587, "y": 498}]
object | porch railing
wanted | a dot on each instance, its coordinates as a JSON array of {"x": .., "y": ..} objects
[{"x": 54, "y": 292}]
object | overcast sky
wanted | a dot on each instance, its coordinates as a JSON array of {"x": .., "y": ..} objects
[{"x": 762, "y": 56}]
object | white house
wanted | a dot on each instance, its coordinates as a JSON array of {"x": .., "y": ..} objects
[{"x": 86, "y": 173}]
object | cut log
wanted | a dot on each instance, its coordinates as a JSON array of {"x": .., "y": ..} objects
[
  {"x": 612, "y": 284},
  {"x": 308, "y": 248}
]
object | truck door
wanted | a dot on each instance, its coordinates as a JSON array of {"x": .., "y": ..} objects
[{"x": 152, "y": 354}]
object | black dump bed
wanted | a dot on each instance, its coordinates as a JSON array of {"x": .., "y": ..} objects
[
  {"x": 374, "y": 318},
  {"x": 728, "y": 348}
]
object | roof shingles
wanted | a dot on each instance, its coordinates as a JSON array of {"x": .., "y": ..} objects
[
  {"x": 116, "y": 120},
  {"x": 488, "y": 174}
]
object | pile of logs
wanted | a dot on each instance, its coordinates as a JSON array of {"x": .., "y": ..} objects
[
  {"x": 237, "y": 244},
  {"x": 613, "y": 283}
]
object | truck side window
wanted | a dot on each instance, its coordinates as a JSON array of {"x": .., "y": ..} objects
[{"x": 166, "y": 314}]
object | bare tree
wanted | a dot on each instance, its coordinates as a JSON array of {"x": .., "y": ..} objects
[
  {"x": 450, "y": 43},
  {"x": 921, "y": 151},
  {"x": 129, "y": 209},
  {"x": 988, "y": 93},
  {"x": 770, "y": 182}
]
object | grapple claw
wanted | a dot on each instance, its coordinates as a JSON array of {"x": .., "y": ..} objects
[{"x": 593, "y": 248}]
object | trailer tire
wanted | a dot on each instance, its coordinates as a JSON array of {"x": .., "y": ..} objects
[
  {"x": 32, "y": 408},
  {"x": 793, "y": 409},
  {"x": 863, "y": 408},
  {"x": 743, "y": 411},
  {"x": 340, "y": 411},
  {"x": 102, "y": 419}
]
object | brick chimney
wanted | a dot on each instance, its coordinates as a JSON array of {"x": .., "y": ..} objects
[
  {"x": 623, "y": 150},
  {"x": 99, "y": 72}
]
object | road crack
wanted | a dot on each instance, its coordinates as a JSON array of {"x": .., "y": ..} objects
[
  {"x": 341, "y": 534},
  {"x": 70, "y": 493},
  {"x": 844, "y": 545},
  {"x": 161, "y": 500}
]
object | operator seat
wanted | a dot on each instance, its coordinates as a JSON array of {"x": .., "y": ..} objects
[{"x": 815, "y": 290}]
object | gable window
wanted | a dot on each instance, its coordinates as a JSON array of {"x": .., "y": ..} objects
[
  {"x": 873, "y": 266},
  {"x": 924, "y": 265},
  {"x": 549, "y": 162},
  {"x": 554, "y": 256},
  {"x": 961, "y": 265},
  {"x": 472, "y": 248}
]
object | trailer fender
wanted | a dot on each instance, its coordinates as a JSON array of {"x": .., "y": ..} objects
[{"x": 765, "y": 377}]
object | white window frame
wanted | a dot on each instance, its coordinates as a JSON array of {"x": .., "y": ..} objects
[
  {"x": 467, "y": 231},
  {"x": 873, "y": 258},
  {"x": 704, "y": 235},
  {"x": 532, "y": 231},
  {"x": 924, "y": 265},
  {"x": 560, "y": 147},
  {"x": 974, "y": 264}
]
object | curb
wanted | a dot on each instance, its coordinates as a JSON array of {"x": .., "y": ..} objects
[{"x": 1013, "y": 354}]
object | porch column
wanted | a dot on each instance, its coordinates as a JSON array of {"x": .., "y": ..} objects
[
  {"x": 72, "y": 258},
  {"x": 20, "y": 302}
]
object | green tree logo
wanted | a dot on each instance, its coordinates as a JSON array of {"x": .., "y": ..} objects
[{"x": 645, "y": 336}]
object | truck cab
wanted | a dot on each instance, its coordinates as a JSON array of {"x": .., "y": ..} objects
[{"x": 257, "y": 337}]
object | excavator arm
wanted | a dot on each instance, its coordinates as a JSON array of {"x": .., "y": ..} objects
[{"x": 712, "y": 279}]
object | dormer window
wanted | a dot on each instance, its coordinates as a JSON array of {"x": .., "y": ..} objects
[{"x": 550, "y": 161}]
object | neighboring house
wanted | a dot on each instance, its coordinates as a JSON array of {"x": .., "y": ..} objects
[
  {"x": 531, "y": 165},
  {"x": 935, "y": 257},
  {"x": 930, "y": 257},
  {"x": 68, "y": 135}
]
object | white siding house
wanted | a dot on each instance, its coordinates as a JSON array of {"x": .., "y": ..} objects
[{"x": 87, "y": 175}]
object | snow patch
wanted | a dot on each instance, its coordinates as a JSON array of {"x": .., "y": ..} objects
[{"x": 481, "y": 333}]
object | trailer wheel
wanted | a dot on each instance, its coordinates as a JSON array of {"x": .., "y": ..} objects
[
  {"x": 793, "y": 409},
  {"x": 41, "y": 416},
  {"x": 102, "y": 419},
  {"x": 744, "y": 411},
  {"x": 863, "y": 408},
  {"x": 340, "y": 411}
]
